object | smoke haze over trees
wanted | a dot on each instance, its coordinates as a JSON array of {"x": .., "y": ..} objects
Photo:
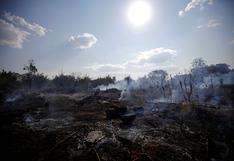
[{"x": 202, "y": 83}]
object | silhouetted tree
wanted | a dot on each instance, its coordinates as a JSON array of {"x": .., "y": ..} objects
[
  {"x": 31, "y": 70},
  {"x": 103, "y": 81},
  {"x": 218, "y": 69},
  {"x": 128, "y": 79}
]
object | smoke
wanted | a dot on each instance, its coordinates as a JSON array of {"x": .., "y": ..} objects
[
  {"x": 13, "y": 98},
  {"x": 198, "y": 86},
  {"x": 120, "y": 85}
]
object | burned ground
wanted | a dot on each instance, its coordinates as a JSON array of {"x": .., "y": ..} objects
[{"x": 93, "y": 126}]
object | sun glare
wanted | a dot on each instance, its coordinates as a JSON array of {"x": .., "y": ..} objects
[{"x": 139, "y": 13}]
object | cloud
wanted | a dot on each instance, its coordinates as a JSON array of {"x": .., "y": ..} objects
[
  {"x": 11, "y": 36},
  {"x": 83, "y": 41},
  {"x": 144, "y": 62},
  {"x": 107, "y": 68},
  {"x": 194, "y": 4},
  {"x": 155, "y": 56},
  {"x": 97, "y": 70},
  {"x": 14, "y": 30},
  {"x": 181, "y": 13},
  {"x": 211, "y": 24},
  {"x": 21, "y": 22}
]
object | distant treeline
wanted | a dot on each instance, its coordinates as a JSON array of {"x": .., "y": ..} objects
[
  {"x": 32, "y": 80},
  {"x": 201, "y": 83}
]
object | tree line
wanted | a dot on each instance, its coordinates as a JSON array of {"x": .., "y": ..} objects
[{"x": 32, "y": 80}]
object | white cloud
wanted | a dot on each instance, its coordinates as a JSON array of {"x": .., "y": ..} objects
[
  {"x": 211, "y": 24},
  {"x": 181, "y": 13},
  {"x": 11, "y": 36},
  {"x": 83, "y": 41},
  {"x": 155, "y": 56},
  {"x": 21, "y": 22},
  {"x": 144, "y": 62},
  {"x": 194, "y": 4},
  {"x": 107, "y": 68},
  {"x": 12, "y": 30}
]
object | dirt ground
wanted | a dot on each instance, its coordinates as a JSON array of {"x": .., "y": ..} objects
[{"x": 97, "y": 126}]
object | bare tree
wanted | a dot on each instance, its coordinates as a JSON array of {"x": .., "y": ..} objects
[
  {"x": 198, "y": 63},
  {"x": 31, "y": 70},
  {"x": 158, "y": 78},
  {"x": 187, "y": 86}
]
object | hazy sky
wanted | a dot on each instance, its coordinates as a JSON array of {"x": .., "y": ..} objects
[{"x": 96, "y": 37}]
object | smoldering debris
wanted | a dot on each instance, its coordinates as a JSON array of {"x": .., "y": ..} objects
[{"x": 82, "y": 127}]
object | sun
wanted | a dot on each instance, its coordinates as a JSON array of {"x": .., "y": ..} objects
[{"x": 139, "y": 13}]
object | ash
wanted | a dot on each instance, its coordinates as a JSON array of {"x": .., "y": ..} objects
[{"x": 100, "y": 126}]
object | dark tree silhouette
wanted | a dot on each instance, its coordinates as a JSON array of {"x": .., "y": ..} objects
[{"x": 31, "y": 70}]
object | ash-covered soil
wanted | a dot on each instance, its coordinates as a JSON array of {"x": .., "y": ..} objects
[{"x": 97, "y": 126}]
